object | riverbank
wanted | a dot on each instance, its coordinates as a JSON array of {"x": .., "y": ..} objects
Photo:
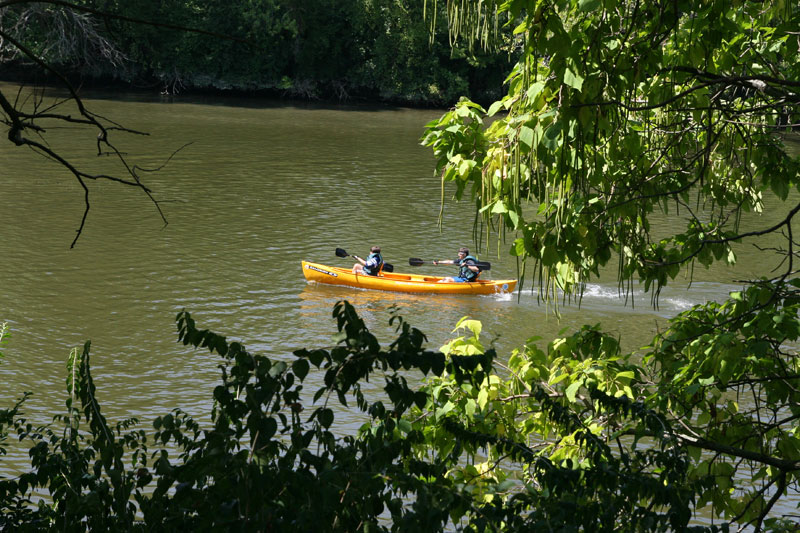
[{"x": 199, "y": 84}]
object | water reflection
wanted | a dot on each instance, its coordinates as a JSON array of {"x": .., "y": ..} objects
[{"x": 377, "y": 307}]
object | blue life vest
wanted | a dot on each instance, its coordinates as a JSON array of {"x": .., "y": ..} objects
[
  {"x": 465, "y": 272},
  {"x": 374, "y": 264}
]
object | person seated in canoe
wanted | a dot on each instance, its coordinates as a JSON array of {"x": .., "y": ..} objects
[
  {"x": 372, "y": 266},
  {"x": 468, "y": 270}
]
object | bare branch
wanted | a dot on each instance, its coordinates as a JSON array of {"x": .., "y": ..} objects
[
  {"x": 72, "y": 33},
  {"x": 112, "y": 16}
]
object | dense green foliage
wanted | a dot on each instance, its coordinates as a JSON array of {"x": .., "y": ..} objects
[
  {"x": 266, "y": 464},
  {"x": 621, "y": 109},
  {"x": 616, "y": 111},
  {"x": 376, "y": 49}
]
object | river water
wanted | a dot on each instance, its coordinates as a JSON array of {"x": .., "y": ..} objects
[{"x": 260, "y": 186}]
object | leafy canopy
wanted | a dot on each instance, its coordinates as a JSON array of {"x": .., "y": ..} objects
[
  {"x": 620, "y": 109},
  {"x": 617, "y": 111}
]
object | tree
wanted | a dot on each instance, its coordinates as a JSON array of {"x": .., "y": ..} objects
[
  {"x": 51, "y": 34},
  {"x": 616, "y": 110},
  {"x": 56, "y": 31}
]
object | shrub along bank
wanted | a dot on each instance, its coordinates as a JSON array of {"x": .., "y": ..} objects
[{"x": 378, "y": 50}]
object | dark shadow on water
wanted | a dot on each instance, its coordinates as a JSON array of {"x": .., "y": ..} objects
[{"x": 259, "y": 99}]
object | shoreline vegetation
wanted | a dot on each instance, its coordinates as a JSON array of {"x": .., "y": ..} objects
[
  {"x": 360, "y": 51},
  {"x": 149, "y": 87}
]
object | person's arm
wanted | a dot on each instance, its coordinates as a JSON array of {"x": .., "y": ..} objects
[{"x": 360, "y": 260}]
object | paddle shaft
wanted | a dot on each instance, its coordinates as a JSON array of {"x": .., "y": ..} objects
[
  {"x": 414, "y": 261},
  {"x": 340, "y": 252}
]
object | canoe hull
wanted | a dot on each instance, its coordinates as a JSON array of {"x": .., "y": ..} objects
[{"x": 402, "y": 282}]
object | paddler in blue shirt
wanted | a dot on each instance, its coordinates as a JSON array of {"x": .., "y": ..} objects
[
  {"x": 468, "y": 271},
  {"x": 372, "y": 266}
]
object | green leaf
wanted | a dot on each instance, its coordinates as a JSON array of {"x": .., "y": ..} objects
[
  {"x": 550, "y": 256},
  {"x": 521, "y": 28},
  {"x": 446, "y": 408},
  {"x": 534, "y": 90},
  {"x": 780, "y": 187},
  {"x": 325, "y": 417},
  {"x": 589, "y": 5},
  {"x": 506, "y": 485},
  {"x": 572, "y": 390},
  {"x": 495, "y": 107},
  {"x": 270, "y": 427},
  {"x": 483, "y": 398},
  {"x": 421, "y": 399},
  {"x": 300, "y": 368},
  {"x": 277, "y": 369},
  {"x": 526, "y": 136},
  {"x": 695, "y": 453},
  {"x": 552, "y": 137},
  {"x": 469, "y": 408},
  {"x": 627, "y": 374},
  {"x": 499, "y": 208},
  {"x": 573, "y": 80}
]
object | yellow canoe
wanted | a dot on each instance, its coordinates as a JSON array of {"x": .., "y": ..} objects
[{"x": 390, "y": 281}]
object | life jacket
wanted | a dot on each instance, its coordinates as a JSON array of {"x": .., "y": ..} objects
[
  {"x": 465, "y": 272},
  {"x": 374, "y": 265}
]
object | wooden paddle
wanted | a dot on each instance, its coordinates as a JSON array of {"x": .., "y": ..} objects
[
  {"x": 415, "y": 261},
  {"x": 387, "y": 267}
]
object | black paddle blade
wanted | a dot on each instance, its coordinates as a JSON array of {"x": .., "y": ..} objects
[
  {"x": 341, "y": 253},
  {"x": 388, "y": 267},
  {"x": 414, "y": 261}
]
